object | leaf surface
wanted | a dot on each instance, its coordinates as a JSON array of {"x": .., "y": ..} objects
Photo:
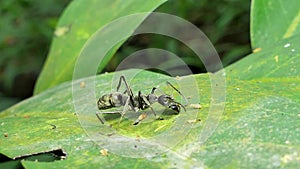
[
  {"x": 281, "y": 60},
  {"x": 272, "y": 21},
  {"x": 258, "y": 128}
]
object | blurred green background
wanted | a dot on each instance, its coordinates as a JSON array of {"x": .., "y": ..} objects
[{"x": 27, "y": 28}]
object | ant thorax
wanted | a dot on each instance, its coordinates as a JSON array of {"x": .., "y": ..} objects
[{"x": 152, "y": 98}]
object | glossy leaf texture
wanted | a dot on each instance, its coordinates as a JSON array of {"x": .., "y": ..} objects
[
  {"x": 78, "y": 23},
  {"x": 281, "y": 60},
  {"x": 259, "y": 127},
  {"x": 273, "y": 20}
]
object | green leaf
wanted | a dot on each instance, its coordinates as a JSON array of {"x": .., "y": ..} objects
[
  {"x": 259, "y": 127},
  {"x": 48, "y": 122},
  {"x": 273, "y": 20},
  {"x": 280, "y": 60},
  {"x": 79, "y": 22}
]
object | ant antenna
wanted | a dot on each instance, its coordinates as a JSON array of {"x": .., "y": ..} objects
[{"x": 168, "y": 83}]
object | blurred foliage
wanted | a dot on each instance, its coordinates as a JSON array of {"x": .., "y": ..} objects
[
  {"x": 225, "y": 23},
  {"x": 27, "y": 28}
]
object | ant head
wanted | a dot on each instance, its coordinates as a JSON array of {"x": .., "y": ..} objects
[
  {"x": 165, "y": 100},
  {"x": 170, "y": 103}
]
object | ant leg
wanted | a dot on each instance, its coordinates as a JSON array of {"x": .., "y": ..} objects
[
  {"x": 124, "y": 110},
  {"x": 128, "y": 89},
  {"x": 154, "y": 88},
  {"x": 169, "y": 84},
  {"x": 122, "y": 113},
  {"x": 145, "y": 100},
  {"x": 144, "y": 103},
  {"x": 156, "y": 116},
  {"x": 140, "y": 118},
  {"x": 101, "y": 120}
]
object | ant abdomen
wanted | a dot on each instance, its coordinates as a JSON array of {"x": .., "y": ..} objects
[
  {"x": 111, "y": 100},
  {"x": 104, "y": 102}
]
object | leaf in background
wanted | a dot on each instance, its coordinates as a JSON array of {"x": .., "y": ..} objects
[
  {"x": 78, "y": 23},
  {"x": 7, "y": 102},
  {"x": 281, "y": 60},
  {"x": 273, "y": 20}
]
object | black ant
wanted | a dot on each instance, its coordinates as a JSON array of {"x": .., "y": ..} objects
[{"x": 136, "y": 103}]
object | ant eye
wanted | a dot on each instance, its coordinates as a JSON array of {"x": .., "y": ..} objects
[{"x": 175, "y": 108}]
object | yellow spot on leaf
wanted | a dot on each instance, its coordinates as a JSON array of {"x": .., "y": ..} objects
[
  {"x": 160, "y": 127},
  {"x": 194, "y": 121},
  {"x": 60, "y": 31},
  {"x": 287, "y": 158},
  {"x": 256, "y": 50},
  {"x": 292, "y": 28},
  {"x": 276, "y": 58},
  {"x": 81, "y": 34},
  {"x": 195, "y": 106},
  {"x": 104, "y": 152},
  {"x": 138, "y": 138},
  {"x": 82, "y": 84}
]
